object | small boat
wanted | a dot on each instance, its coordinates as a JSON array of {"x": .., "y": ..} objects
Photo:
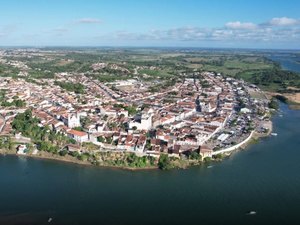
[
  {"x": 251, "y": 213},
  {"x": 274, "y": 134},
  {"x": 49, "y": 220},
  {"x": 208, "y": 167}
]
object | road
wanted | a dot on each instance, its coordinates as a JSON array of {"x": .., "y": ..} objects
[{"x": 3, "y": 121}]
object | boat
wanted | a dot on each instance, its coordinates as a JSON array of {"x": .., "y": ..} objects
[
  {"x": 251, "y": 213},
  {"x": 49, "y": 220},
  {"x": 208, "y": 167},
  {"x": 274, "y": 134}
]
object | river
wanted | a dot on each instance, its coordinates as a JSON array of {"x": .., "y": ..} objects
[
  {"x": 263, "y": 178},
  {"x": 288, "y": 61}
]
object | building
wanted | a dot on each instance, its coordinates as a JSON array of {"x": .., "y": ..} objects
[
  {"x": 78, "y": 136},
  {"x": 73, "y": 120},
  {"x": 205, "y": 152},
  {"x": 144, "y": 124},
  {"x": 22, "y": 149}
]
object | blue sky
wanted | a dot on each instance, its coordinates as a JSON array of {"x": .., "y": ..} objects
[{"x": 190, "y": 23}]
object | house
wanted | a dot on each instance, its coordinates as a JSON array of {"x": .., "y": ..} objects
[
  {"x": 140, "y": 145},
  {"x": 22, "y": 150},
  {"x": 144, "y": 124},
  {"x": 73, "y": 148},
  {"x": 245, "y": 110},
  {"x": 175, "y": 150},
  {"x": 78, "y": 136},
  {"x": 205, "y": 151}
]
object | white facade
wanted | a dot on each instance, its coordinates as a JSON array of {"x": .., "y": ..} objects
[
  {"x": 145, "y": 124},
  {"x": 73, "y": 121}
]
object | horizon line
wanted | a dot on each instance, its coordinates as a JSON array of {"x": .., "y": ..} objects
[{"x": 149, "y": 47}]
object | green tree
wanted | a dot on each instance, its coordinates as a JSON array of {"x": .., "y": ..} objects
[
  {"x": 164, "y": 162},
  {"x": 63, "y": 152},
  {"x": 195, "y": 156}
]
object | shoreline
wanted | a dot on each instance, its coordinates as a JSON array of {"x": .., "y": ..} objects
[
  {"x": 74, "y": 161},
  {"x": 253, "y": 137},
  {"x": 293, "y": 99}
]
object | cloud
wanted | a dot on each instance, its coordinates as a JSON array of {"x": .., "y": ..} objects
[
  {"x": 67, "y": 27},
  {"x": 283, "y": 21},
  {"x": 88, "y": 21},
  {"x": 282, "y": 30},
  {"x": 239, "y": 25}
]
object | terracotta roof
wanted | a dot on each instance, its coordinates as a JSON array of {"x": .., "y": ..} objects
[{"x": 77, "y": 133}]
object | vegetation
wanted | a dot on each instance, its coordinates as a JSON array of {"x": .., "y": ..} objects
[
  {"x": 130, "y": 160},
  {"x": 16, "y": 102},
  {"x": 273, "y": 104},
  {"x": 75, "y": 87},
  {"x": 131, "y": 109},
  {"x": 275, "y": 79},
  {"x": 281, "y": 98},
  {"x": 6, "y": 143},
  {"x": 218, "y": 156},
  {"x": 164, "y": 162},
  {"x": 195, "y": 156},
  {"x": 45, "y": 138},
  {"x": 8, "y": 71}
]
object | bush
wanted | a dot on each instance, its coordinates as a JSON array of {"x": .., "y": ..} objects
[
  {"x": 164, "y": 162},
  {"x": 83, "y": 157},
  {"x": 273, "y": 104},
  {"x": 218, "y": 156},
  {"x": 195, "y": 156},
  {"x": 74, "y": 154},
  {"x": 207, "y": 159},
  {"x": 63, "y": 152}
]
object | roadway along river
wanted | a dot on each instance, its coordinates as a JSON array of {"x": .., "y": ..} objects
[{"x": 263, "y": 178}]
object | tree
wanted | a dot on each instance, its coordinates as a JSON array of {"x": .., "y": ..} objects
[
  {"x": 195, "y": 156},
  {"x": 63, "y": 152},
  {"x": 151, "y": 160},
  {"x": 74, "y": 154},
  {"x": 218, "y": 156},
  {"x": 44, "y": 137},
  {"x": 100, "y": 139},
  {"x": 273, "y": 104},
  {"x": 164, "y": 162}
]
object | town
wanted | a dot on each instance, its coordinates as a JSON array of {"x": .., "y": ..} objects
[{"x": 199, "y": 115}]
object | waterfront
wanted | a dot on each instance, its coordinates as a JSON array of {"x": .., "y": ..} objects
[
  {"x": 288, "y": 61},
  {"x": 263, "y": 178}
]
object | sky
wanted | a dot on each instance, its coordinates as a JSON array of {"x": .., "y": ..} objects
[{"x": 159, "y": 23}]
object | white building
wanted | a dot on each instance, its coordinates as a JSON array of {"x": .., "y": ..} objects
[
  {"x": 21, "y": 150},
  {"x": 146, "y": 121},
  {"x": 73, "y": 120},
  {"x": 78, "y": 136}
]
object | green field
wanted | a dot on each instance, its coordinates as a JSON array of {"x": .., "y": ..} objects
[{"x": 154, "y": 65}]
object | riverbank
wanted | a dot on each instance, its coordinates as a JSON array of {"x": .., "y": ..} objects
[
  {"x": 175, "y": 164},
  {"x": 129, "y": 161},
  {"x": 293, "y": 99},
  {"x": 252, "y": 138},
  {"x": 73, "y": 160}
]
